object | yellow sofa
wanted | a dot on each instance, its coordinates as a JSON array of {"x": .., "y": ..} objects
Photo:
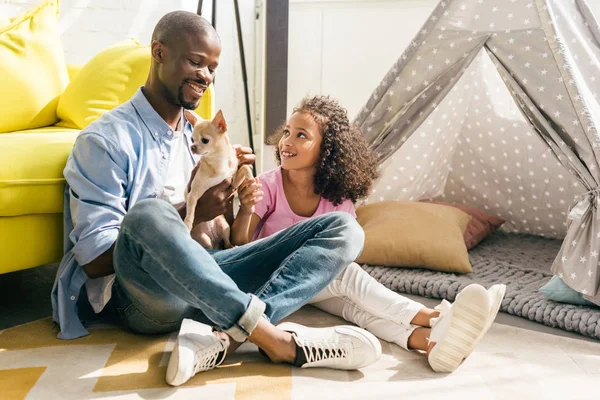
[{"x": 32, "y": 159}]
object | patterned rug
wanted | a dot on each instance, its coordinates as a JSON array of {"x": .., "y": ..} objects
[
  {"x": 521, "y": 262},
  {"x": 113, "y": 363}
]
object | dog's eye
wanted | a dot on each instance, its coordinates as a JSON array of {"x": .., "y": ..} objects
[
  {"x": 192, "y": 140},
  {"x": 205, "y": 140}
]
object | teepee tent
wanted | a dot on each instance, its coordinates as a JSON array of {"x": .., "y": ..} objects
[{"x": 495, "y": 104}]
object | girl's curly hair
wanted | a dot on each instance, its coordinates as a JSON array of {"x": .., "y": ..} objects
[{"x": 347, "y": 167}]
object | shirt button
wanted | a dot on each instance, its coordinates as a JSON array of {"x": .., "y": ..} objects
[
  {"x": 73, "y": 298},
  {"x": 169, "y": 132}
]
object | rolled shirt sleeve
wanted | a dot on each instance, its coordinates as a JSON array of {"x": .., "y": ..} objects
[{"x": 97, "y": 191}]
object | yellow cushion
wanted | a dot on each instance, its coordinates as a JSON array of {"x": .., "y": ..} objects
[
  {"x": 107, "y": 80},
  {"x": 33, "y": 73},
  {"x": 31, "y": 170},
  {"x": 29, "y": 241},
  {"x": 414, "y": 234},
  {"x": 73, "y": 70}
]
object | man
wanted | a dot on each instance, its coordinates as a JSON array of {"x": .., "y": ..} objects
[{"x": 127, "y": 249}]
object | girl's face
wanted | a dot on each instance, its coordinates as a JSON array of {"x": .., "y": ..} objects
[{"x": 300, "y": 145}]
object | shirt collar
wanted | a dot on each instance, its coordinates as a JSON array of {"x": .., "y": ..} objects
[{"x": 153, "y": 121}]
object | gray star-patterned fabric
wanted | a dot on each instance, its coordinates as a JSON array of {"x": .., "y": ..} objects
[{"x": 495, "y": 104}]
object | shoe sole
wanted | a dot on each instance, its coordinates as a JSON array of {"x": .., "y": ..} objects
[
  {"x": 342, "y": 329},
  {"x": 495, "y": 295},
  {"x": 176, "y": 375},
  {"x": 470, "y": 314}
]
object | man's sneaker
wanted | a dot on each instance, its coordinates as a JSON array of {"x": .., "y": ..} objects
[
  {"x": 197, "y": 349},
  {"x": 459, "y": 328},
  {"x": 337, "y": 347}
]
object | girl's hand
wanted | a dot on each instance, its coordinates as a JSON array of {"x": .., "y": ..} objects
[
  {"x": 249, "y": 195},
  {"x": 244, "y": 154}
]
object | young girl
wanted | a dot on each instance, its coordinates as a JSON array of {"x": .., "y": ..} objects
[{"x": 326, "y": 166}]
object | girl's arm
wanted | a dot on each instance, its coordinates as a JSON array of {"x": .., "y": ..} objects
[
  {"x": 246, "y": 220},
  {"x": 243, "y": 228}
]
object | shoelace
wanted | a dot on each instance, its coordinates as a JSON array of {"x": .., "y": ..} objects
[
  {"x": 317, "y": 350},
  {"x": 444, "y": 308},
  {"x": 207, "y": 359}
]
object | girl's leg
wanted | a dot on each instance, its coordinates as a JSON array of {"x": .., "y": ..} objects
[
  {"x": 380, "y": 327},
  {"x": 372, "y": 298}
]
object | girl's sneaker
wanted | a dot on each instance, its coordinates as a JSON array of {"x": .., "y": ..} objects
[
  {"x": 459, "y": 328},
  {"x": 495, "y": 296}
]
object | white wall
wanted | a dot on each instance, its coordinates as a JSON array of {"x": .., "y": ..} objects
[
  {"x": 344, "y": 48},
  {"x": 88, "y": 26}
]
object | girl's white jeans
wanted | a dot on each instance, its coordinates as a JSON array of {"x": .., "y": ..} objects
[{"x": 357, "y": 297}]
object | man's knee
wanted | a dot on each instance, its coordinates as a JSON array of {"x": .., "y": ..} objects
[
  {"x": 146, "y": 214},
  {"x": 348, "y": 228},
  {"x": 348, "y": 224}
]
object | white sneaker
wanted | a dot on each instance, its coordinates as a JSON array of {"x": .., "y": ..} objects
[
  {"x": 197, "y": 349},
  {"x": 459, "y": 328},
  {"x": 338, "y": 347},
  {"x": 495, "y": 296}
]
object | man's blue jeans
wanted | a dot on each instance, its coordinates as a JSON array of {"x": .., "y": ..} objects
[{"x": 163, "y": 275}]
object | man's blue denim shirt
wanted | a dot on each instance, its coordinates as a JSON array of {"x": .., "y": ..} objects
[{"x": 118, "y": 160}]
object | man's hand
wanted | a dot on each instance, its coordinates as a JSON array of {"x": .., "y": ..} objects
[
  {"x": 214, "y": 202},
  {"x": 218, "y": 200}
]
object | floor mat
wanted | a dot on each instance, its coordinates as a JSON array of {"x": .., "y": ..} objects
[
  {"x": 521, "y": 262},
  {"x": 114, "y": 363}
]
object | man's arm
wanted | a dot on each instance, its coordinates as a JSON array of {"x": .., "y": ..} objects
[{"x": 97, "y": 180}]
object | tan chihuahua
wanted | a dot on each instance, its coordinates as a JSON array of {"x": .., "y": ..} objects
[{"x": 218, "y": 161}]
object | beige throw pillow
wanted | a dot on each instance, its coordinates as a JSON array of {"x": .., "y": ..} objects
[{"x": 414, "y": 234}]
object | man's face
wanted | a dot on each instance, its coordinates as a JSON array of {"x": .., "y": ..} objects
[{"x": 188, "y": 67}]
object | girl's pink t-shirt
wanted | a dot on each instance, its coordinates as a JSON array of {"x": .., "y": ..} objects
[{"x": 275, "y": 212}]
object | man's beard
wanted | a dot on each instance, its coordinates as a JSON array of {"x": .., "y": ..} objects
[{"x": 185, "y": 104}]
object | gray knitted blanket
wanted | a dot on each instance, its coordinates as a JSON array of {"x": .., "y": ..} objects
[{"x": 521, "y": 262}]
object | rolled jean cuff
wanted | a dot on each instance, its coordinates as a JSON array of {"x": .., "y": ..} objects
[
  {"x": 403, "y": 340},
  {"x": 248, "y": 321}
]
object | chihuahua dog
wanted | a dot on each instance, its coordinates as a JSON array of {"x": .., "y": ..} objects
[{"x": 218, "y": 161}]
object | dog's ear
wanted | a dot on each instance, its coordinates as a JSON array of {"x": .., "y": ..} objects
[
  {"x": 219, "y": 122},
  {"x": 191, "y": 117}
]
